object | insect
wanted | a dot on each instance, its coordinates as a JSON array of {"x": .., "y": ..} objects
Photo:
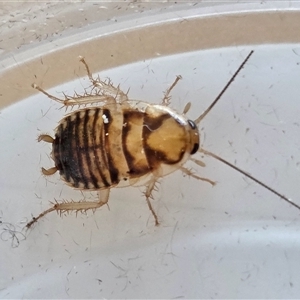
[{"x": 118, "y": 142}]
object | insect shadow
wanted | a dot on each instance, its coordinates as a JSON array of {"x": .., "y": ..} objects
[{"x": 119, "y": 142}]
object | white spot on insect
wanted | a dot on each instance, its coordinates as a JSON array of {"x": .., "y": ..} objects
[
  {"x": 105, "y": 119},
  {"x": 106, "y": 132}
]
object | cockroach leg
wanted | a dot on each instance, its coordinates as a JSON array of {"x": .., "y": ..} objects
[
  {"x": 103, "y": 196},
  {"x": 92, "y": 80},
  {"x": 86, "y": 98},
  {"x": 35, "y": 86},
  {"x": 35, "y": 219},
  {"x": 148, "y": 195},
  {"x": 107, "y": 88},
  {"x": 82, "y": 206},
  {"x": 190, "y": 173},
  {"x": 167, "y": 97}
]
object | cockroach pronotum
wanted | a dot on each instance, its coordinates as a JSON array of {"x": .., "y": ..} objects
[{"x": 118, "y": 142}]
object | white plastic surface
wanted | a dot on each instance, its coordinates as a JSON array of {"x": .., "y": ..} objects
[{"x": 234, "y": 240}]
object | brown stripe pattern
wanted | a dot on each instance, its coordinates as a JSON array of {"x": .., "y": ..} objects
[
  {"x": 78, "y": 150},
  {"x": 96, "y": 148}
]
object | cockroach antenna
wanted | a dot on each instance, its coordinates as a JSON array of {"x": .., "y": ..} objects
[{"x": 206, "y": 152}]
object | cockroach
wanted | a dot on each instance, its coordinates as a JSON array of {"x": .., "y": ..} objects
[{"x": 118, "y": 142}]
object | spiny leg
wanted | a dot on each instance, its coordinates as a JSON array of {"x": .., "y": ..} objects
[
  {"x": 82, "y": 206},
  {"x": 35, "y": 86},
  {"x": 79, "y": 99},
  {"x": 106, "y": 88},
  {"x": 190, "y": 173},
  {"x": 107, "y": 93},
  {"x": 148, "y": 195},
  {"x": 167, "y": 97}
]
